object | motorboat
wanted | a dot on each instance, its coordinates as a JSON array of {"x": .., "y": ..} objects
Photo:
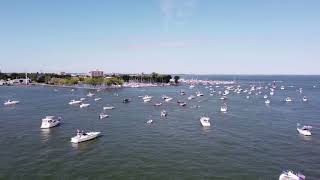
[
  {"x": 224, "y": 108},
  {"x": 168, "y": 99},
  {"x": 304, "y": 130},
  {"x": 223, "y": 98},
  {"x": 191, "y": 97},
  {"x": 108, "y": 108},
  {"x": 150, "y": 121},
  {"x": 304, "y": 99},
  {"x": 163, "y": 113},
  {"x": 191, "y": 86},
  {"x": 267, "y": 101},
  {"x": 82, "y": 99},
  {"x": 103, "y": 115},
  {"x": 10, "y": 102},
  {"x": 265, "y": 96},
  {"x": 83, "y": 105},
  {"x": 90, "y": 94},
  {"x": 74, "y": 102},
  {"x": 97, "y": 99},
  {"x": 205, "y": 121},
  {"x": 82, "y": 136},
  {"x": 147, "y": 97},
  {"x": 50, "y": 121},
  {"x": 290, "y": 175},
  {"x": 146, "y": 100},
  {"x": 271, "y": 93},
  {"x": 182, "y": 93},
  {"x": 282, "y": 87},
  {"x": 126, "y": 100},
  {"x": 182, "y": 103},
  {"x": 288, "y": 99},
  {"x": 158, "y": 104},
  {"x": 199, "y": 94}
]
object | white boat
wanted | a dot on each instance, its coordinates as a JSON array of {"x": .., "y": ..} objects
[
  {"x": 290, "y": 175},
  {"x": 223, "y": 98},
  {"x": 168, "y": 99},
  {"x": 72, "y": 90},
  {"x": 10, "y": 102},
  {"x": 50, "y": 121},
  {"x": 224, "y": 108},
  {"x": 83, "y": 105},
  {"x": 147, "y": 97},
  {"x": 304, "y": 130},
  {"x": 199, "y": 94},
  {"x": 158, "y": 104},
  {"x": 191, "y": 86},
  {"x": 304, "y": 99},
  {"x": 150, "y": 121},
  {"x": 102, "y": 115},
  {"x": 267, "y": 101},
  {"x": 146, "y": 100},
  {"x": 282, "y": 87},
  {"x": 90, "y": 94},
  {"x": 74, "y": 102},
  {"x": 163, "y": 113},
  {"x": 248, "y": 97},
  {"x": 288, "y": 99},
  {"x": 271, "y": 93},
  {"x": 205, "y": 121},
  {"x": 81, "y": 137},
  {"x": 108, "y": 108},
  {"x": 82, "y": 99},
  {"x": 191, "y": 97},
  {"x": 182, "y": 104},
  {"x": 97, "y": 99},
  {"x": 182, "y": 93},
  {"x": 265, "y": 96}
]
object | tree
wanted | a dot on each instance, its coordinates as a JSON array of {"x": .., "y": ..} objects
[{"x": 176, "y": 79}]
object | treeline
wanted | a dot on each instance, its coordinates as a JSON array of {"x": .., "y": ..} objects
[
  {"x": 57, "y": 79},
  {"x": 148, "y": 78}
]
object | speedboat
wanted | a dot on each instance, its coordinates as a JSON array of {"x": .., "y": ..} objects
[
  {"x": 147, "y": 97},
  {"x": 265, "y": 96},
  {"x": 304, "y": 99},
  {"x": 81, "y": 137},
  {"x": 224, "y": 108},
  {"x": 97, "y": 99},
  {"x": 83, "y": 105},
  {"x": 163, "y": 113},
  {"x": 158, "y": 104},
  {"x": 50, "y": 121},
  {"x": 90, "y": 94},
  {"x": 146, "y": 100},
  {"x": 290, "y": 175},
  {"x": 288, "y": 99},
  {"x": 126, "y": 100},
  {"x": 108, "y": 108},
  {"x": 271, "y": 93},
  {"x": 267, "y": 101},
  {"x": 191, "y": 97},
  {"x": 305, "y": 130},
  {"x": 199, "y": 94},
  {"x": 182, "y": 104},
  {"x": 74, "y": 102},
  {"x": 150, "y": 121},
  {"x": 10, "y": 102},
  {"x": 282, "y": 87},
  {"x": 223, "y": 98},
  {"x": 182, "y": 93},
  {"x": 103, "y": 115},
  {"x": 205, "y": 121},
  {"x": 82, "y": 99},
  {"x": 168, "y": 99}
]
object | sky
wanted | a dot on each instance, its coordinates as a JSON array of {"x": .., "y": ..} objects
[{"x": 164, "y": 36}]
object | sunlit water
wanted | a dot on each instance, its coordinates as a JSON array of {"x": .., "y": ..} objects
[{"x": 250, "y": 141}]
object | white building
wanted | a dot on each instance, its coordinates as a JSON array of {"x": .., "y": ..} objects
[{"x": 96, "y": 73}]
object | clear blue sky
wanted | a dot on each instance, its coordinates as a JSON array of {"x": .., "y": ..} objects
[{"x": 166, "y": 36}]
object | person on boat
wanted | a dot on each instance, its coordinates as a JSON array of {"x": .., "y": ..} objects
[
  {"x": 78, "y": 132},
  {"x": 83, "y": 133}
]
